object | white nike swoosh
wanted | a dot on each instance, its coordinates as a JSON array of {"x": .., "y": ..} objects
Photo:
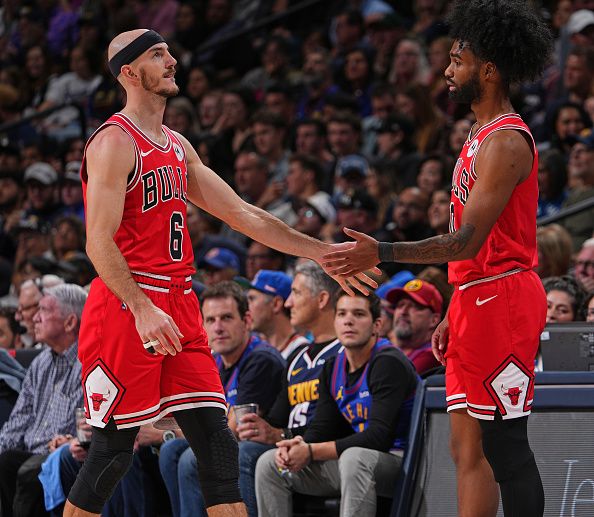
[
  {"x": 147, "y": 153},
  {"x": 481, "y": 302}
]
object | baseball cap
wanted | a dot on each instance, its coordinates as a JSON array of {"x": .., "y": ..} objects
[
  {"x": 42, "y": 172},
  {"x": 323, "y": 206},
  {"x": 72, "y": 172},
  {"x": 352, "y": 164},
  {"x": 357, "y": 199},
  {"x": 32, "y": 223},
  {"x": 398, "y": 280},
  {"x": 221, "y": 258},
  {"x": 588, "y": 141},
  {"x": 419, "y": 291},
  {"x": 274, "y": 283},
  {"x": 579, "y": 20}
]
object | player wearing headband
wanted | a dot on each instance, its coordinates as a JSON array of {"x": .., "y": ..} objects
[{"x": 142, "y": 344}]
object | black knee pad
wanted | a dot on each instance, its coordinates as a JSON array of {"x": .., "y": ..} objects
[
  {"x": 506, "y": 447},
  {"x": 219, "y": 469},
  {"x": 110, "y": 457},
  {"x": 217, "y": 453}
]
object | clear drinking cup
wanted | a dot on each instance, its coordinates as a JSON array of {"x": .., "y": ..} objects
[
  {"x": 83, "y": 430},
  {"x": 243, "y": 409}
]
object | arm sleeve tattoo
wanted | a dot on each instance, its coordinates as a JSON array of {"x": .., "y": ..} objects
[{"x": 442, "y": 248}]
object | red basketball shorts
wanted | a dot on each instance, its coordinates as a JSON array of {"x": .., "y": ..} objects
[
  {"x": 121, "y": 380},
  {"x": 495, "y": 329}
]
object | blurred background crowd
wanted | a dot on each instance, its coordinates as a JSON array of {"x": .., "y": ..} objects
[{"x": 325, "y": 113}]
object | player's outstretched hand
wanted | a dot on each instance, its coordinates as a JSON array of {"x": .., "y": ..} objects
[
  {"x": 158, "y": 331},
  {"x": 349, "y": 259},
  {"x": 361, "y": 281},
  {"x": 439, "y": 340}
]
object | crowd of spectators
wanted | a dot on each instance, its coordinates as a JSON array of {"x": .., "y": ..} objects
[{"x": 335, "y": 115}]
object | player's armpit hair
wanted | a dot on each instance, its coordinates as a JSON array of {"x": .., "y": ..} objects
[
  {"x": 508, "y": 33},
  {"x": 442, "y": 248}
]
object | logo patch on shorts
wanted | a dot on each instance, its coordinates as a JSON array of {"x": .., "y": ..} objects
[
  {"x": 509, "y": 387},
  {"x": 103, "y": 392}
]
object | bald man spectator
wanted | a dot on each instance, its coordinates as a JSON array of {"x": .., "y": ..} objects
[{"x": 417, "y": 311}]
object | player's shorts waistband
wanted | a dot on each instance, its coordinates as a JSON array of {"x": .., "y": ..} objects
[
  {"x": 461, "y": 287},
  {"x": 162, "y": 283}
]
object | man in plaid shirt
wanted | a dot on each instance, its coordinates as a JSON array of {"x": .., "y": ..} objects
[{"x": 43, "y": 416}]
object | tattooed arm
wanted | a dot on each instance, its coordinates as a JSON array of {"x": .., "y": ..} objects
[{"x": 504, "y": 161}]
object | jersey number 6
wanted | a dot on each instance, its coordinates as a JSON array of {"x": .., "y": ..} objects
[{"x": 176, "y": 236}]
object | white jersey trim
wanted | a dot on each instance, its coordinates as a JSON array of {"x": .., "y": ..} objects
[
  {"x": 157, "y": 146},
  {"x": 489, "y": 278}
]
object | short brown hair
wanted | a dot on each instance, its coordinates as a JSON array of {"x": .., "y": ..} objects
[{"x": 227, "y": 289}]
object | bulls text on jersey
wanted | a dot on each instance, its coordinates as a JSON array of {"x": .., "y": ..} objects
[{"x": 161, "y": 185}]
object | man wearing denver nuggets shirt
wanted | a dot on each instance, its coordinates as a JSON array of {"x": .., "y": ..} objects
[
  {"x": 353, "y": 446},
  {"x": 311, "y": 303}
]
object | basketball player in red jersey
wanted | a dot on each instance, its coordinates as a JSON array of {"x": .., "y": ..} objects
[
  {"x": 142, "y": 344},
  {"x": 489, "y": 338}
]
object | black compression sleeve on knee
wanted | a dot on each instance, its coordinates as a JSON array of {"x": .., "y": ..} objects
[
  {"x": 109, "y": 458},
  {"x": 216, "y": 453},
  {"x": 523, "y": 495},
  {"x": 506, "y": 447}
]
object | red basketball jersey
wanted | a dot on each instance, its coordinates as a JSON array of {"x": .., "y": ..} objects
[
  {"x": 511, "y": 244},
  {"x": 153, "y": 236}
]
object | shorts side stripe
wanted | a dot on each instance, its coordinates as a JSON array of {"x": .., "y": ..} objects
[
  {"x": 477, "y": 406},
  {"x": 176, "y": 407},
  {"x": 168, "y": 406},
  {"x": 461, "y": 405},
  {"x": 481, "y": 416}
]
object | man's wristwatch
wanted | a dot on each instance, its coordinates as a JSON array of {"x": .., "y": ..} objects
[
  {"x": 168, "y": 435},
  {"x": 286, "y": 433}
]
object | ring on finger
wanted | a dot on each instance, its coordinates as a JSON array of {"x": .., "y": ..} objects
[{"x": 152, "y": 342}]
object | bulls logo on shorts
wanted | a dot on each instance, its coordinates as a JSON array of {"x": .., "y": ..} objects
[
  {"x": 511, "y": 388},
  {"x": 102, "y": 392}
]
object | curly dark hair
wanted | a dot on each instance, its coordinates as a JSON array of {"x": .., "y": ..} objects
[
  {"x": 569, "y": 285},
  {"x": 508, "y": 33}
]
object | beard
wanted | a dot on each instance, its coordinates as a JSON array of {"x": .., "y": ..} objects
[
  {"x": 468, "y": 92},
  {"x": 403, "y": 331},
  {"x": 151, "y": 84}
]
